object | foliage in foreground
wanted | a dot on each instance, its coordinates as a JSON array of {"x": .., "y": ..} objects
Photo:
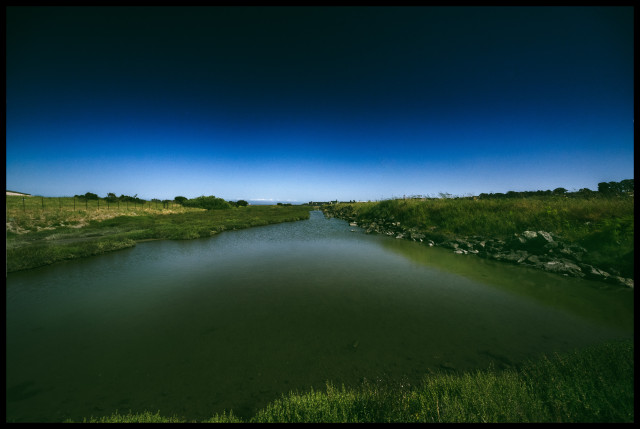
[{"x": 590, "y": 385}]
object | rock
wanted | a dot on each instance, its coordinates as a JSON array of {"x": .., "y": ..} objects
[
  {"x": 460, "y": 251},
  {"x": 523, "y": 256},
  {"x": 450, "y": 245},
  {"x": 517, "y": 256},
  {"x": 624, "y": 282},
  {"x": 494, "y": 245},
  {"x": 534, "y": 242},
  {"x": 533, "y": 259},
  {"x": 563, "y": 266},
  {"x": 614, "y": 271},
  {"x": 464, "y": 244},
  {"x": 570, "y": 252},
  {"x": 517, "y": 242},
  {"x": 545, "y": 236}
]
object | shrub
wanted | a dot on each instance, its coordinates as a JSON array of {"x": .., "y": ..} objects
[{"x": 209, "y": 203}]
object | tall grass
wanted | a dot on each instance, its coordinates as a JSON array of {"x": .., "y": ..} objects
[
  {"x": 39, "y": 238},
  {"x": 604, "y": 225},
  {"x": 569, "y": 217},
  {"x": 38, "y": 213},
  {"x": 590, "y": 385}
]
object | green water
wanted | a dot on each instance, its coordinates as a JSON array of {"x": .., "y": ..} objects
[{"x": 196, "y": 327}]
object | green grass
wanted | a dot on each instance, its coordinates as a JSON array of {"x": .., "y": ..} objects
[
  {"x": 38, "y": 237},
  {"x": 590, "y": 385},
  {"x": 603, "y": 225}
]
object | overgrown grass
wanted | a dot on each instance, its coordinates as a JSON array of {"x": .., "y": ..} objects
[
  {"x": 590, "y": 385},
  {"x": 35, "y": 255},
  {"x": 603, "y": 225},
  {"x": 41, "y": 213},
  {"x": 39, "y": 238}
]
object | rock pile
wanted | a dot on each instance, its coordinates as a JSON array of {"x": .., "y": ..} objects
[{"x": 538, "y": 249}]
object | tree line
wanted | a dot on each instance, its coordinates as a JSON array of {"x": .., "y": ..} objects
[
  {"x": 205, "y": 202},
  {"x": 606, "y": 189}
]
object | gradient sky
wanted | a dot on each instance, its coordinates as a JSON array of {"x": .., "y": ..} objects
[{"x": 317, "y": 103}]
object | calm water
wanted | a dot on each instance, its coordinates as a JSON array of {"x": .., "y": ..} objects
[{"x": 196, "y": 327}]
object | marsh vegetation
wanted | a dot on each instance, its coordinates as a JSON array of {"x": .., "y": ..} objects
[
  {"x": 42, "y": 231},
  {"x": 602, "y": 224}
]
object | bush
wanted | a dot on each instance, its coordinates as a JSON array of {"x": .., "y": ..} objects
[
  {"x": 209, "y": 203},
  {"x": 180, "y": 200}
]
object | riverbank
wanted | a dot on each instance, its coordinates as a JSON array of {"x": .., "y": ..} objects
[
  {"x": 589, "y": 385},
  {"x": 39, "y": 238},
  {"x": 590, "y": 238}
]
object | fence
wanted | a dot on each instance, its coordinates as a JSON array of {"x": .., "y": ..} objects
[{"x": 15, "y": 204}]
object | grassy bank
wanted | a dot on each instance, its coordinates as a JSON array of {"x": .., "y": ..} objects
[
  {"x": 590, "y": 385},
  {"x": 602, "y": 225},
  {"x": 37, "y": 237}
]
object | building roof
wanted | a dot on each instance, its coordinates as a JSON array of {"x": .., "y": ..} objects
[{"x": 17, "y": 193}]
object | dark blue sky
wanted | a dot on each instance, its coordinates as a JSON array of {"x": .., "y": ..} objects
[{"x": 317, "y": 103}]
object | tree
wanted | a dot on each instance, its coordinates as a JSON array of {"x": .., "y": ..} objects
[
  {"x": 609, "y": 188},
  {"x": 585, "y": 192},
  {"x": 559, "y": 191},
  {"x": 180, "y": 200},
  {"x": 626, "y": 186},
  {"x": 242, "y": 203}
]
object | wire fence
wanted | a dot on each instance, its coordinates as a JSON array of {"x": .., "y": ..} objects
[{"x": 31, "y": 204}]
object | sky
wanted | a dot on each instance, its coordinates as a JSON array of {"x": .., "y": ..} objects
[{"x": 298, "y": 104}]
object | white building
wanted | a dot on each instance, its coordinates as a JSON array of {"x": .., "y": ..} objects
[{"x": 20, "y": 194}]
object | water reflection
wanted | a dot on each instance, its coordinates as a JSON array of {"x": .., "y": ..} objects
[{"x": 593, "y": 300}]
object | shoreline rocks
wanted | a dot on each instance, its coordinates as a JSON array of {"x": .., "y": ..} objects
[{"x": 537, "y": 249}]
